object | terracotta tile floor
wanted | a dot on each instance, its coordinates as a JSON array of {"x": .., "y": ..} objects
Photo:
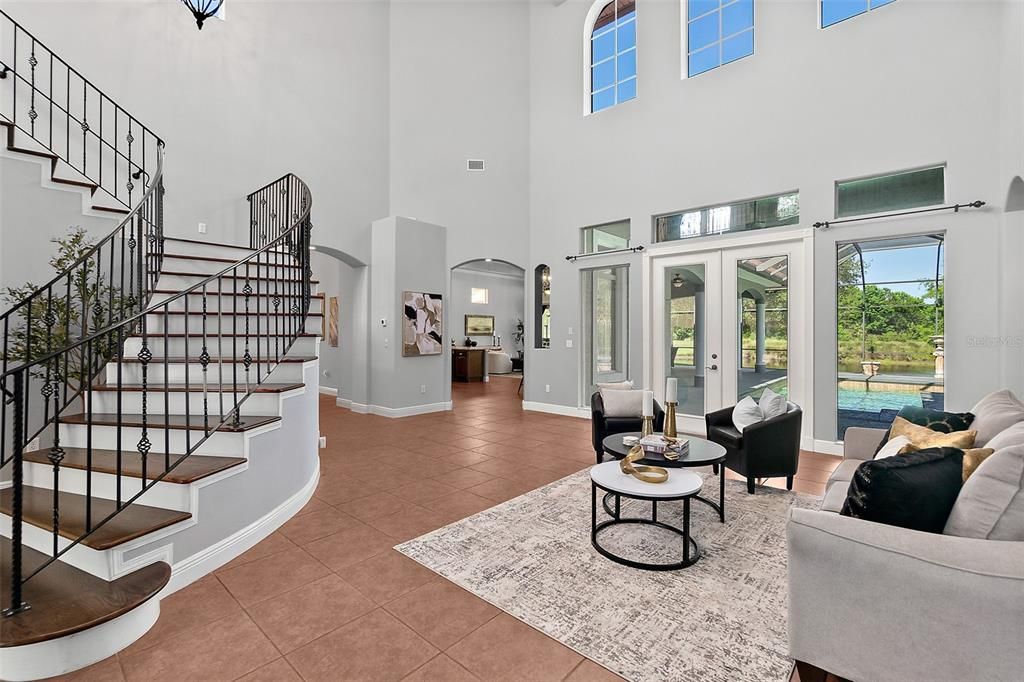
[{"x": 327, "y": 598}]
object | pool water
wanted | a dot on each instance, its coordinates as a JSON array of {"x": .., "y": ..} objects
[{"x": 875, "y": 401}]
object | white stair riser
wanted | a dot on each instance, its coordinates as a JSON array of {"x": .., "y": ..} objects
[
  {"x": 105, "y": 402},
  {"x": 208, "y": 249},
  {"x": 131, "y": 373},
  {"x": 231, "y": 324},
  {"x": 228, "y": 304},
  {"x": 229, "y": 444},
  {"x": 286, "y": 267},
  {"x": 164, "y": 495},
  {"x": 172, "y": 282},
  {"x": 304, "y": 346},
  {"x": 98, "y": 563}
]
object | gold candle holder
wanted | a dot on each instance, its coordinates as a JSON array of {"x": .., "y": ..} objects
[
  {"x": 647, "y": 427},
  {"x": 670, "y": 420}
]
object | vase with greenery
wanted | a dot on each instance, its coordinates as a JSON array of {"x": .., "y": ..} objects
[{"x": 517, "y": 335}]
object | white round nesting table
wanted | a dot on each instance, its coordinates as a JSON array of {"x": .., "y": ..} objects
[{"x": 682, "y": 485}]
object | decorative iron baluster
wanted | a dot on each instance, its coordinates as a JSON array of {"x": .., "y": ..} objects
[
  {"x": 56, "y": 456},
  {"x": 18, "y": 605},
  {"x": 131, "y": 269},
  {"x": 32, "y": 114},
  {"x": 204, "y": 360},
  {"x": 144, "y": 445}
]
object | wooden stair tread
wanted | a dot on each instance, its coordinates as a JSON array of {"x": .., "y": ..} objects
[
  {"x": 111, "y": 209},
  {"x": 130, "y": 523},
  {"x": 212, "y": 335},
  {"x": 217, "y": 259},
  {"x": 66, "y": 600},
  {"x": 253, "y": 277},
  {"x": 158, "y": 360},
  {"x": 173, "y": 421},
  {"x": 226, "y": 293},
  {"x": 212, "y": 313},
  {"x": 136, "y": 388},
  {"x": 191, "y": 468}
]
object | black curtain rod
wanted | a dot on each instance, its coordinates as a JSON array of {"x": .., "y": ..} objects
[
  {"x": 632, "y": 249},
  {"x": 955, "y": 208}
]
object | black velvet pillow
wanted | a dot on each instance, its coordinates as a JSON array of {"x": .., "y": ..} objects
[
  {"x": 916, "y": 490},
  {"x": 936, "y": 420}
]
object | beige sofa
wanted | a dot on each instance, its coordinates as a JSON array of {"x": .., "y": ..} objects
[{"x": 875, "y": 602}]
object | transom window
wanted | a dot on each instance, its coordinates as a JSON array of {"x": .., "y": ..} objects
[
  {"x": 891, "y": 192},
  {"x": 607, "y": 237},
  {"x": 478, "y": 295},
  {"x": 613, "y": 55},
  {"x": 834, "y": 11},
  {"x": 718, "y": 32},
  {"x": 754, "y": 214}
]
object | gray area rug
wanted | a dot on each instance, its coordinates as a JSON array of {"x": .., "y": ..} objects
[{"x": 722, "y": 619}]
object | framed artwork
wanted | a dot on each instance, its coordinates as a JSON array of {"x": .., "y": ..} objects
[
  {"x": 422, "y": 324},
  {"x": 332, "y": 322},
  {"x": 479, "y": 325}
]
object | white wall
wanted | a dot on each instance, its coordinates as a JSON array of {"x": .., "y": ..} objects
[
  {"x": 30, "y": 216},
  {"x": 300, "y": 86},
  {"x": 505, "y": 302},
  {"x": 869, "y": 95},
  {"x": 458, "y": 91},
  {"x": 408, "y": 255}
]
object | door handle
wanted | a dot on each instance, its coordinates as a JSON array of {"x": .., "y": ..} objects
[{"x": 715, "y": 367}]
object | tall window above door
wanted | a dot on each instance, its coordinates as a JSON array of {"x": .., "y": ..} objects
[
  {"x": 607, "y": 237},
  {"x": 753, "y": 214},
  {"x": 717, "y": 32},
  {"x": 611, "y": 54},
  {"x": 834, "y": 11}
]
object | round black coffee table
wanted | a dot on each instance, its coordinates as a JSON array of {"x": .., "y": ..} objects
[{"x": 702, "y": 453}]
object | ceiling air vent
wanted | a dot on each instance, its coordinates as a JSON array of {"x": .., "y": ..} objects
[{"x": 474, "y": 164}]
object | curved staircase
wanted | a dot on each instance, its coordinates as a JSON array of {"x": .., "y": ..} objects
[{"x": 159, "y": 408}]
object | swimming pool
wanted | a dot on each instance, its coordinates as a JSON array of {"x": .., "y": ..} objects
[{"x": 876, "y": 401}]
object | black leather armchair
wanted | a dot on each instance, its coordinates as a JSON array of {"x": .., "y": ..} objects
[
  {"x": 763, "y": 450},
  {"x": 602, "y": 426}
]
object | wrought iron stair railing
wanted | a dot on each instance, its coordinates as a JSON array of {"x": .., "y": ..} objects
[
  {"x": 266, "y": 297},
  {"x": 61, "y": 110}
]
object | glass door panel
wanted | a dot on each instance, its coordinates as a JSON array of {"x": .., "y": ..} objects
[
  {"x": 606, "y": 326},
  {"x": 686, "y": 311},
  {"x": 762, "y": 311}
]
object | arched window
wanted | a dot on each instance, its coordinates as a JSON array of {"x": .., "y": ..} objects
[
  {"x": 609, "y": 54},
  {"x": 542, "y": 307}
]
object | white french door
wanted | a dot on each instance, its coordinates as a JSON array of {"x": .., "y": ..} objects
[{"x": 728, "y": 323}]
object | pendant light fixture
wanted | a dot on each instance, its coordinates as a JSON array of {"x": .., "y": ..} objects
[{"x": 203, "y": 9}]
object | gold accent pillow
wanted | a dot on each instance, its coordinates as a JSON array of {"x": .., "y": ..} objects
[
  {"x": 973, "y": 459},
  {"x": 922, "y": 437}
]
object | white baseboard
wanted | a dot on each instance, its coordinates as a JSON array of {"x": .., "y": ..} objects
[
  {"x": 327, "y": 390},
  {"x": 399, "y": 412},
  {"x": 551, "y": 408},
  {"x": 828, "y": 447},
  {"x": 210, "y": 559}
]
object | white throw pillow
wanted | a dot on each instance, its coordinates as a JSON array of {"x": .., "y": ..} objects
[
  {"x": 991, "y": 503},
  {"x": 772, "y": 404},
  {"x": 623, "y": 403},
  {"x": 1007, "y": 437},
  {"x": 746, "y": 413},
  {"x": 995, "y": 413},
  {"x": 617, "y": 386},
  {"x": 893, "y": 447}
]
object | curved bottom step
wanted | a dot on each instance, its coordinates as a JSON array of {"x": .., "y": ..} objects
[{"x": 75, "y": 618}]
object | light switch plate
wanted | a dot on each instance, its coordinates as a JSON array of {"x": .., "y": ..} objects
[
  {"x": 568, "y": 343},
  {"x": 202, "y": 228}
]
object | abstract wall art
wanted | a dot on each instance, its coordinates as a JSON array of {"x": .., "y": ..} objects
[
  {"x": 332, "y": 323},
  {"x": 422, "y": 324}
]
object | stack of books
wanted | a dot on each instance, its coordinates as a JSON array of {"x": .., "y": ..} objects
[{"x": 662, "y": 445}]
